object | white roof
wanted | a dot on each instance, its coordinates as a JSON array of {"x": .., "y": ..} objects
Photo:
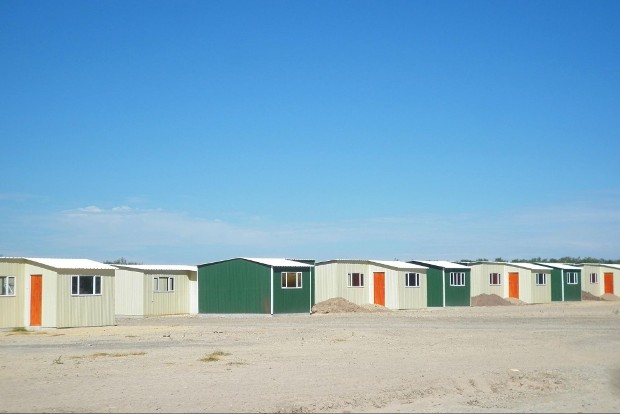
[
  {"x": 277, "y": 262},
  {"x": 532, "y": 266},
  {"x": 560, "y": 266},
  {"x": 182, "y": 268},
  {"x": 443, "y": 263},
  {"x": 612, "y": 265},
  {"x": 399, "y": 264},
  {"x": 64, "y": 263}
]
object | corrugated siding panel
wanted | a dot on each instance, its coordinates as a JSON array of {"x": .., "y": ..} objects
[
  {"x": 96, "y": 310},
  {"x": 287, "y": 300},
  {"x": 12, "y": 308},
  {"x": 166, "y": 303},
  {"x": 129, "y": 289},
  {"x": 332, "y": 279},
  {"x": 596, "y": 289},
  {"x": 193, "y": 293},
  {"x": 572, "y": 292},
  {"x": 434, "y": 288},
  {"x": 458, "y": 295},
  {"x": 539, "y": 293},
  {"x": 480, "y": 279}
]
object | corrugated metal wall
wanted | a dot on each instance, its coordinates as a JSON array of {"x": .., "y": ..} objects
[
  {"x": 166, "y": 303},
  {"x": 480, "y": 279},
  {"x": 332, "y": 280},
  {"x": 12, "y": 308},
  {"x": 458, "y": 295},
  {"x": 296, "y": 300},
  {"x": 397, "y": 295},
  {"x": 129, "y": 289},
  {"x": 89, "y": 310}
]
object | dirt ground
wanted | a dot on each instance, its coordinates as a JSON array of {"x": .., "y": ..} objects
[{"x": 560, "y": 357}]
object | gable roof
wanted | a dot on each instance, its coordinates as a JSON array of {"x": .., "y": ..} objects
[
  {"x": 67, "y": 264},
  {"x": 272, "y": 262},
  {"x": 442, "y": 263},
  {"x": 559, "y": 266},
  {"x": 395, "y": 264},
  {"x": 181, "y": 268}
]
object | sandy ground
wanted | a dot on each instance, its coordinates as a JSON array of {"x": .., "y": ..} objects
[{"x": 560, "y": 357}]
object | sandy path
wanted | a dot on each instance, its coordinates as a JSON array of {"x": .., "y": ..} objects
[{"x": 562, "y": 357}]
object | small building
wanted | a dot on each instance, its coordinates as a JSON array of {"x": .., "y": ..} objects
[
  {"x": 55, "y": 293},
  {"x": 149, "y": 290},
  {"x": 255, "y": 285},
  {"x": 600, "y": 278},
  {"x": 448, "y": 283},
  {"x": 565, "y": 282},
  {"x": 527, "y": 282},
  {"x": 393, "y": 284}
]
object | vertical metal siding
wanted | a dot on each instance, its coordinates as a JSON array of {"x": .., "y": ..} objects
[
  {"x": 332, "y": 280},
  {"x": 480, "y": 279},
  {"x": 12, "y": 308},
  {"x": 166, "y": 303},
  {"x": 193, "y": 293},
  {"x": 129, "y": 289},
  {"x": 88, "y": 310},
  {"x": 296, "y": 300},
  {"x": 458, "y": 295}
]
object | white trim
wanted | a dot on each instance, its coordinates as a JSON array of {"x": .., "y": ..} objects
[
  {"x": 443, "y": 286},
  {"x": 562, "y": 270},
  {"x": 271, "y": 281}
]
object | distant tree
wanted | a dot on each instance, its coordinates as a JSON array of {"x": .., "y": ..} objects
[
  {"x": 121, "y": 261},
  {"x": 499, "y": 259}
]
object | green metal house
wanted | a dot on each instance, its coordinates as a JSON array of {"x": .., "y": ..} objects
[
  {"x": 256, "y": 285},
  {"x": 565, "y": 282},
  {"x": 447, "y": 283}
]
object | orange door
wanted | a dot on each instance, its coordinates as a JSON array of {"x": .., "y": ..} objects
[
  {"x": 513, "y": 285},
  {"x": 36, "y": 297},
  {"x": 609, "y": 283},
  {"x": 379, "y": 280}
]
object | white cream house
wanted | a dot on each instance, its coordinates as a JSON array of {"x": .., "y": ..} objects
[{"x": 600, "y": 278}]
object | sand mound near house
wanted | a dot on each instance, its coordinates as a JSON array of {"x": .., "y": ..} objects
[
  {"x": 589, "y": 296},
  {"x": 341, "y": 305},
  {"x": 610, "y": 296},
  {"x": 485, "y": 299}
]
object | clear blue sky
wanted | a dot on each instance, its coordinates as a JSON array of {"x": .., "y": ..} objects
[{"x": 185, "y": 132}]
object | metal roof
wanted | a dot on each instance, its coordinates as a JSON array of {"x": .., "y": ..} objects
[
  {"x": 63, "y": 263},
  {"x": 532, "y": 266},
  {"x": 397, "y": 264},
  {"x": 276, "y": 262},
  {"x": 181, "y": 268},
  {"x": 559, "y": 266},
  {"x": 442, "y": 263}
]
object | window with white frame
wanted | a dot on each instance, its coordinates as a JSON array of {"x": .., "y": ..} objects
[
  {"x": 412, "y": 280},
  {"x": 495, "y": 279},
  {"x": 457, "y": 279},
  {"x": 593, "y": 278},
  {"x": 541, "y": 279},
  {"x": 291, "y": 280},
  {"x": 7, "y": 285},
  {"x": 571, "y": 278},
  {"x": 163, "y": 284},
  {"x": 85, "y": 285},
  {"x": 355, "y": 280}
]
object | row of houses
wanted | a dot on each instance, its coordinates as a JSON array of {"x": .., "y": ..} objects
[{"x": 45, "y": 292}]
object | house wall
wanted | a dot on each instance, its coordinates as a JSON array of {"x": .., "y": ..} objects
[
  {"x": 129, "y": 288},
  {"x": 434, "y": 287},
  {"x": 234, "y": 286},
  {"x": 397, "y": 296},
  {"x": 88, "y": 310},
  {"x": 292, "y": 300},
  {"x": 332, "y": 280},
  {"x": 166, "y": 303},
  {"x": 480, "y": 279},
  {"x": 12, "y": 308},
  {"x": 598, "y": 289},
  {"x": 458, "y": 295},
  {"x": 571, "y": 292},
  {"x": 193, "y": 293}
]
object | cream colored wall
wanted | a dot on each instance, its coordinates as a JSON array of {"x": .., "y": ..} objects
[
  {"x": 88, "y": 310},
  {"x": 12, "y": 308},
  {"x": 193, "y": 293},
  {"x": 480, "y": 279},
  {"x": 397, "y": 296},
  {"x": 598, "y": 289},
  {"x": 331, "y": 282},
  {"x": 167, "y": 303},
  {"x": 531, "y": 292},
  {"x": 129, "y": 290}
]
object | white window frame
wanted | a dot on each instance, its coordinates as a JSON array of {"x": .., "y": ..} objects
[
  {"x": 571, "y": 278},
  {"x": 6, "y": 287},
  {"x": 412, "y": 277},
  {"x": 94, "y": 282},
  {"x": 350, "y": 280},
  {"x": 499, "y": 279},
  {"x": 593, "y": 278},
  {"x": 541, "y": 279},
  {"x": 284, "y": 280},
  {"x": 163, "y": 282},
  {"x": 457, "y": 278}
]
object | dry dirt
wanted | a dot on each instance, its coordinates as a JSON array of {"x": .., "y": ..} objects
[{"x": 560, "y": 357}]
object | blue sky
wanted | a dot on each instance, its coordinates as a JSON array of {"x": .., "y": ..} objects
[{"x": 191, "y": 131}]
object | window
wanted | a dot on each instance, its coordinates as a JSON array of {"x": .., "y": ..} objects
[
  {"x": 412, "y": 280},
  {"x": 7, "y": 285},
  {"x": 86, "y": 285},
  {"x": 495, "y": 279},
  {"x": 291, "y": 280},
  {"x": 457, "y": 279},
  {"x": 163, "y": 284},
  {"x": 593, "y": 278},
  {"x": 541, "y": 279},
  {"x": 571, "y": 278},
  {"x": 356, "y": 280}
]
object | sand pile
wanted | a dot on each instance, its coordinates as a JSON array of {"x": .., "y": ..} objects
[
  {"x": 610, "y": 296},
  {"x": 588, "y": 296},
  {"x": 489, "y": 300},
  {"x": 341, "y": 305}
]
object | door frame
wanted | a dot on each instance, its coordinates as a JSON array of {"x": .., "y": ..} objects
[{"x": 36, "y": 300}]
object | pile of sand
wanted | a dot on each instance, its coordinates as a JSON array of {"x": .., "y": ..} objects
[
  {"x": 341, "y": 305},
  {"x": 610, "y": 296},
  {"x": 489, "y": 300},
  {"x": 588, "y": 296}
]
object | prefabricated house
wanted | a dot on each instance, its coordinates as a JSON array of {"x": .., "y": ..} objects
[
  {"x": 448, "y": 283},
  {"x": 255, "y": 285},
  {"x": 565, "y": 282},
  {"x": 393, "y": 284},
  {"x": 527, "y": 282},
  {"x": 55, "y": 293},
  {"x": 149, "y": 290},
  {"x": 600, "y": 278}
]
